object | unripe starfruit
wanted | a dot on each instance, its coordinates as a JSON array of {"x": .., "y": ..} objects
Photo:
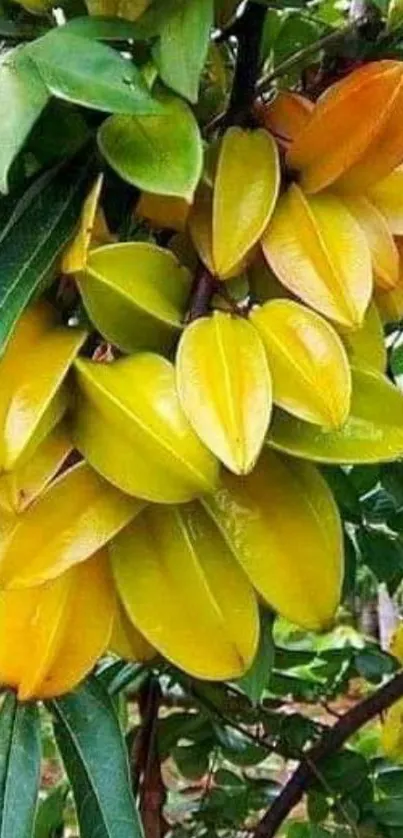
[
  {"x": 386, "y": 194},
  {"x": 126, "y": 641},
  {"x": 130, "y": 426},
  {"x": 384, "y": 253},
  {"x": 71, "y": 520},
  {"x": 245, "y": 192},
  {"x": 224, "y": 386},
  {"x": 318, "y": 251},
  {"x": 20, "y": 487},
  {"x": 355, "y": 134},
  {"x": 392, "y": 732},
  {"x": 366, "y": 346},
  {"x": 307, "y": 360},
  {"x": 285, "y": 116},
  {"x": 34, "y": 395},
  {"x": 183, "y": 589},
  {"x": 372, "y": 433},
  {"x": 52, "y": 635},
  {"x": 282, "y": 524},
  {"x": 135, "y": 294}
]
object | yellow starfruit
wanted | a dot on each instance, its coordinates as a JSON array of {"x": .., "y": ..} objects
[
  {"x": 245, "y": 192},
  {"x": 318, "y": 251},
  {"x": 52, "y": 635},
  {"x": 130, "y": 426},
  {"x": 283, "y": 526},
  {"x": 354, "y": 136},
  {"x": 392, "y": 732},
  {"x": 386, "y": 194},
  {"x": 126, "y": 641},
  {"x": 373, "y": 432},
  {"x": 307, "y": 360},
  {"x": 164, "y": 210},
  {"x": 224, "y": 386},
  {"x": 366, "y": 346},
  {"x": 396, "y": 643},
  {"x": 71, "y": 520},
  {"x": 136, "y": 294},
  {"x": 183, "y": 589},
  {"x": 384, "y": 253},
  {"x": 91, "y": 232},
  {"x": 18, "y": 488}
]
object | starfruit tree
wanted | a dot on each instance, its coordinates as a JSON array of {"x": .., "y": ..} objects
[{"x": 201, "y": 296}]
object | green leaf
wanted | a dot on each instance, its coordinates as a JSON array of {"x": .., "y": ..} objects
[
  {"x": 256, "y": 680},
  {"x": 90, "y": 741},
  {"x": 37, "y": 230},
  {"x": 181, "y": 51},
  {"x": 20, "y": 759},
  {"x": 23, "y": 98},
  {"x": 91, "y": 74},
  {"x": 389, "y": 812},
  {"x": 390, "y": 781},
  {"x": 344, "y": 771},
  {"x": 161, "y": 154},
  {"x": 103, "y": 28},
  {"x": 383, "y": 553},
  {"x": 50, "y": 815},
  {"x": 318, "y": 806}
]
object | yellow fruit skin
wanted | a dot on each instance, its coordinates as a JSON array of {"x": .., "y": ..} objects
[
  {"x": 245, "y": 192},
  {"x": 396, "y": 644},
  {"x": 283, "y": 526},
  {"x": 366, "y": 346},
  {"x": 20, "y": 487},
  {"x": 384, "y": 253},
  {"x": 319, "y": 252},
  {"x": 224, "y": 386},
  {"x": 307, "y": 360},
  {"x": 387, "y": 197},
  {"x": 373, "y": 432},
  {"x": 164, "y": 211},
  {"x": 130, "y": 426},
  {"x": 69, "y": 522},
  {"x": 92, "y": 231},
  {"x": 392, "y": 732},
  {"x": 127, "y": 642},
  {"x": 52, "y": 635},
  {"x": 184, "y": 591}
]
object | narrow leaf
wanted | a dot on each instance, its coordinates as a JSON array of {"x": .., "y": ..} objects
[
  {"x": 182, "y": 48},
  {"x": 20, "y": 762}
]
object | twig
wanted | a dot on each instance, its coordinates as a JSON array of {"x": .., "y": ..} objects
[
  {"x": 204, "y": 286},
  {"x": 145, "y": 763},
  {"x": 329, "y": 744}
]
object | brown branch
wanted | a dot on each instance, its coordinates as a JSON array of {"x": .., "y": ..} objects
[
  {"x": 329, "y": 744},
  {"x": 204, "y": 286},
  {"x": 145, "y": 762}
]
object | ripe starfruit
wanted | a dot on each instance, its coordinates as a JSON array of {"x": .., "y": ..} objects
[
  {"x": 355, "y": 134},
  {"x": 92, "y": 232},
  {"x": 19, "y": 487},
  {"x": 396, "y": 643},
  {"x": 136, "y": 294},
  {"x": 34, "y": 395},
  {"x": 52, "y": 635},
  {"x": 126, "y": 641},
  {"x": 384, "y": 253},
  {"x": 182, "y": 588},
  {"x": 130, "y": 426},
  {"x": 283, "y": 526},
  {"x": 390, "y": 304},
  {"x": 372, "y": 433},
  {"x": 165, "y": 211},
  {"x": 71, "y": 520},
  {"x": 285, "y": 116},
  {"x": 386, "y": 194},
  {"x": 201, "y": 230},
  {"x": 318, "y": 251},
  {"x": 307, "y": 360},
  {"x": 245, "y": 192},
  {"x": 392, "y": 732},
  {"x": 224, "y": 386},
  {"x": 366, "y": 346}
]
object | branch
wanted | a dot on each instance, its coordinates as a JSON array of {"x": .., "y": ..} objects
[
  {"x": 329, "y": 744},
  {"x": 249, "y": 32},
  {"x": 145, "y": 762}
]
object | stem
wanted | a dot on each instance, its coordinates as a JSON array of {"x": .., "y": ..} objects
[
  {"x": 249, "y": 33},
  {"x": 203, "y": 289},
  {"x": 145, "y": 763},
  {"x": 329, "y": 744}
]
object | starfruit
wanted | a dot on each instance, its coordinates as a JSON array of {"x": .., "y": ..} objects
[
  {"x": 390, "y": 304},
  {"x": 392, "y": 732},
  {"x": 71, "y": 520},
  {"x": 182, "y": 588},
  {"x": 92, "y": 232},
  {"x": 318, "y": 251},
  {"x": 52, "y": 635},
  {"x": 201, "y": 230},
  {"x": 307, "y": 360},
  {"x": 372, "y": 433},
  {"x": 355, "y": 134},
  {"x": 396, "y": 643},
  {"x": 386, "y": 194},
  {"x": 34, "y": 395},
  {"x": 130, "y": 426},
  {"x": 384, "y": 253},
  {"x": 366, "y": 346},
  {"x": 283, "y": 526},
  {"x": 19, "y": 487},
  {"x": 164, "y": 210},
  {"x": 136, "y": 295},
  {"x": 126, "y": 641},
  {"x": 245, "y": 192},
  {"x": 286, "y": 115},
  {"x": 224, "y": 387}
]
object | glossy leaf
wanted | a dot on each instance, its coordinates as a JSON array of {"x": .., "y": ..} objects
[
  {"x": 63, "y": 643},
  {"x": 308, "y": 363},
  {"x": 73, "y": 519},
  {"x": 161, "y": 154},
  {"x": 386, "y": 194},
  {"x": 366, "y": 346},
  {"x": 130, "y": 426},
  {"x": 286, "y": 115},
  {"x": 126, "y": 641},
  {"x": 373, "y": 432},
  {"x": 36, "y": 233},
  {"x": 89, "y": 73},
  {"x": 20, "y": 487},
  {"x": 23, "y": 98},
  {"x": 224, "y": 386},
  {"x": 20, "y": 766},
  {"x": 318, "y": 251},
  {"x": 354, "y": 136},
  {"x": 384, "y": 253},
  {"x": 90, "y": 741},
  {"x": 136, "y": 294},
  {"x": 245, "y": 192},
  {"x": 284, "y": 503},
  {"x": 181, "y": 50},
  {"x": 392, "y": 732},
  {"x": 185, "y": 592}
]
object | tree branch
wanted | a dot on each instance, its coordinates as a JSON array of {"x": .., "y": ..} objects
[
  {"x": 249, "y": 33},
  {"x": 329, "y": 744},
  {"x": 145, "y": 763}
]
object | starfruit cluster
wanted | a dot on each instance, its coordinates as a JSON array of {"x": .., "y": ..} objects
[{"x": 154, "y": 491}]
